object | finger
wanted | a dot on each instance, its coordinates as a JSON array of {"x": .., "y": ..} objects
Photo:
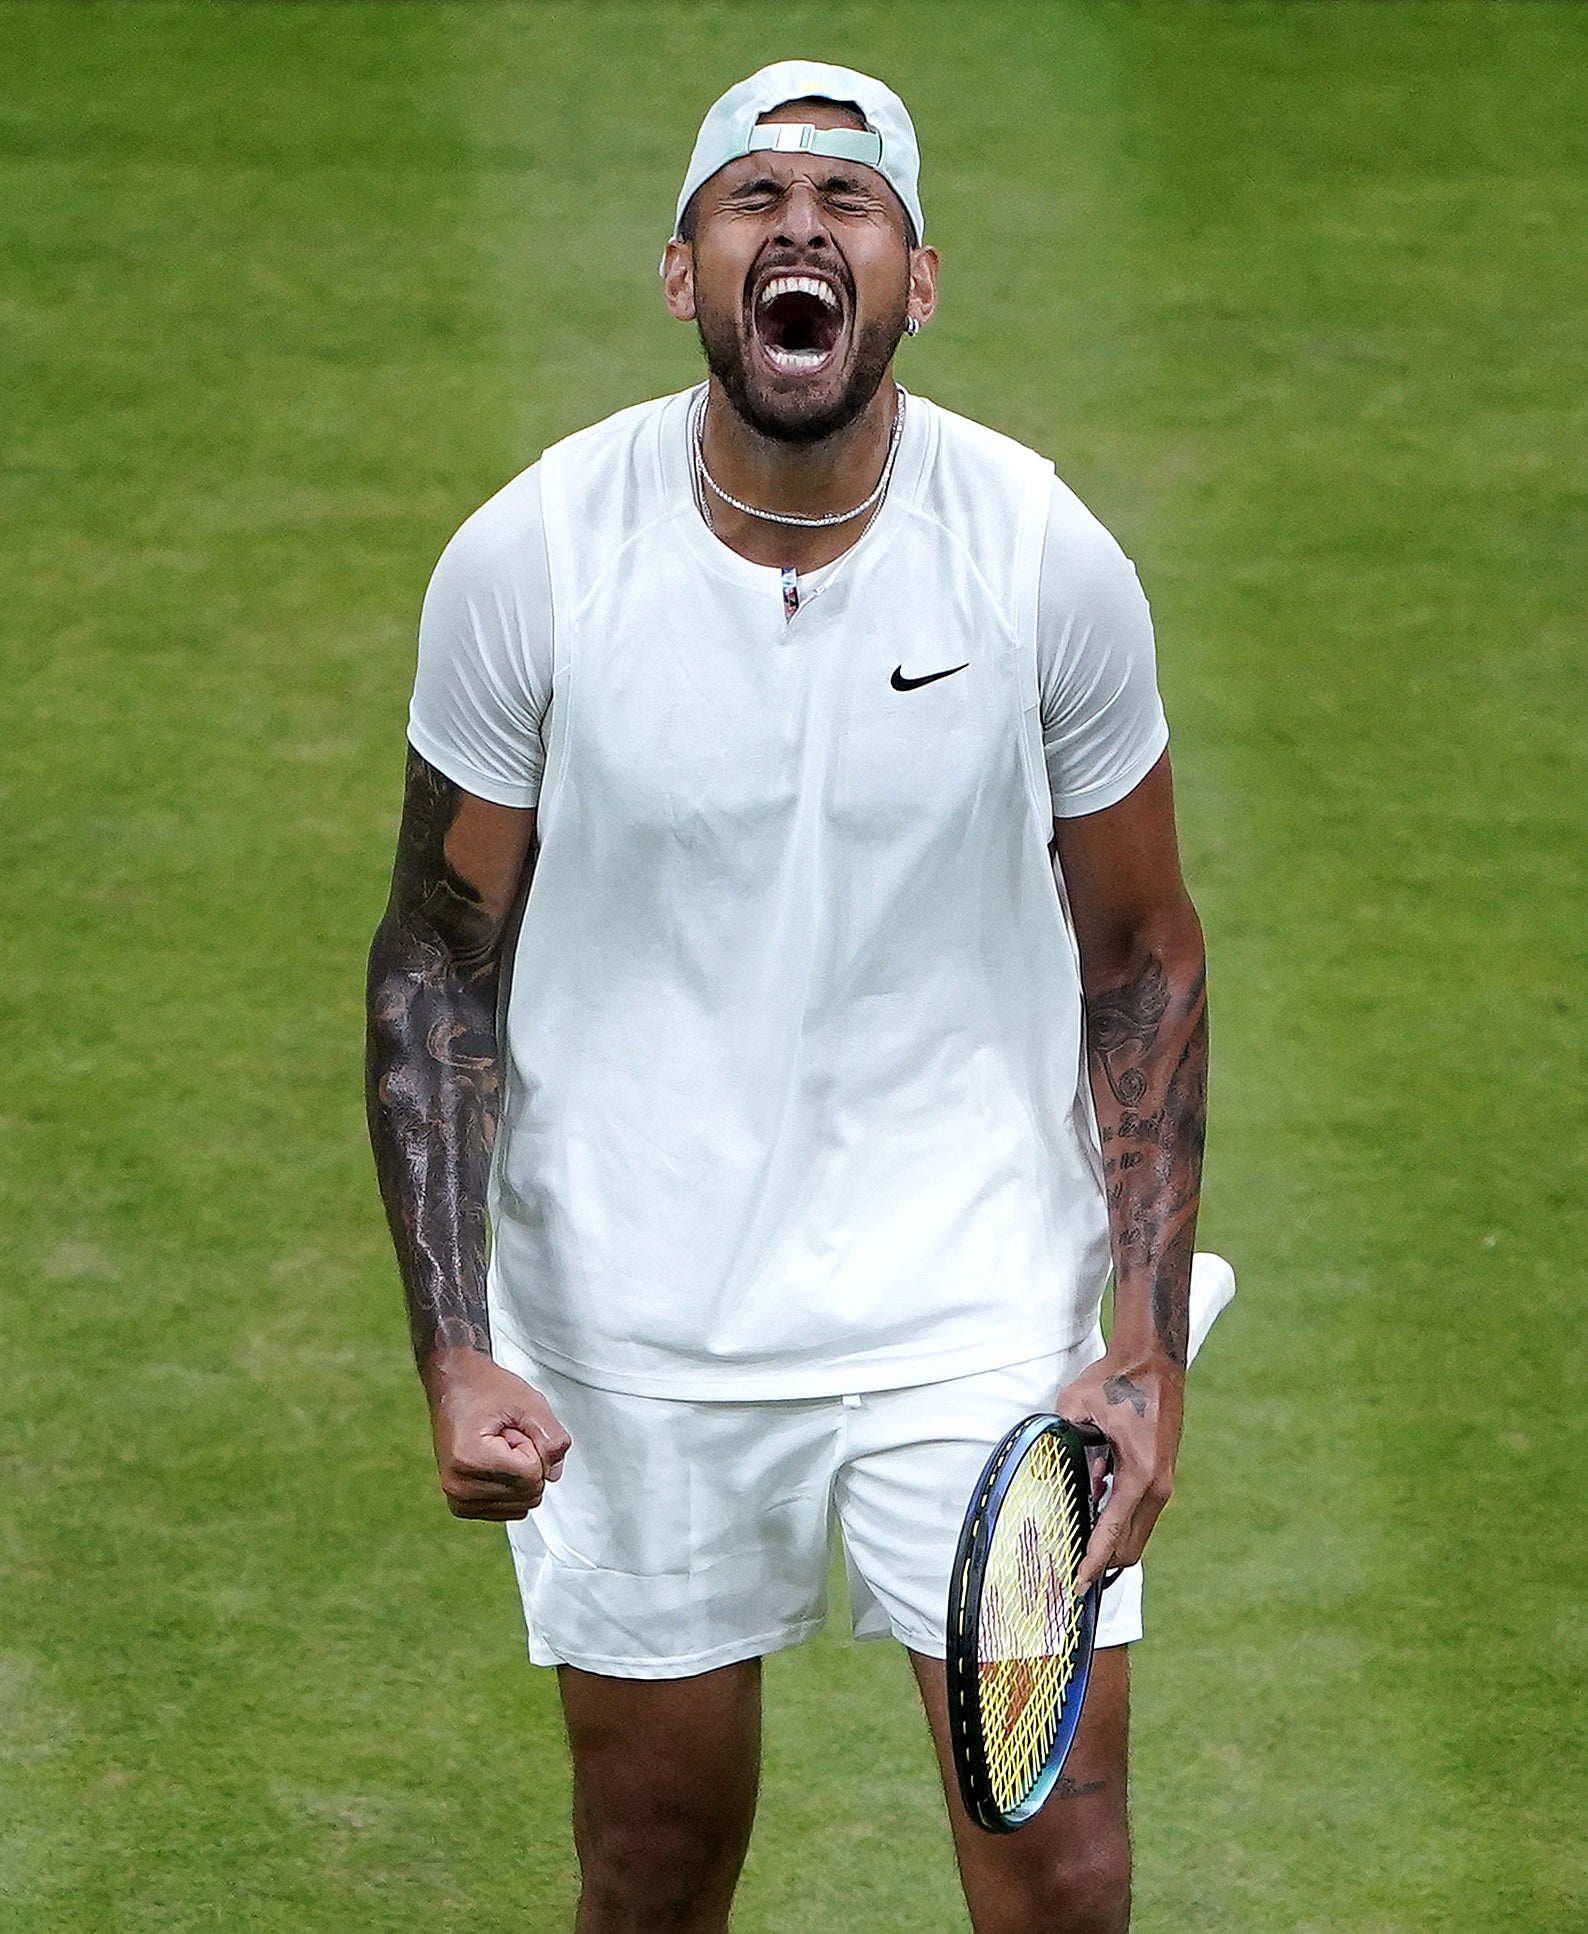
[
  {"x": 487, "y": 1493},
  {"x": 522, "y": 1474},
  {"x": 490, "y": 1513},
  {"x": 1110, "y": 1537},
  {"x": 1098, "y": 1559},
  {"x": 536, "y": 1424},
  {"x": 494, "y": 1474},
  {"x": 1122, "y": 1531},
  {"x": 505, "y": 1448},
  {"x": 552, "y": 1441}
]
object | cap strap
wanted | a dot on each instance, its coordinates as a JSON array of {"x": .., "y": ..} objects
[{"x": 800, "y": 137}]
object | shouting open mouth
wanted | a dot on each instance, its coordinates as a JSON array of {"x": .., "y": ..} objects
[{"x": 798, "y": 321}]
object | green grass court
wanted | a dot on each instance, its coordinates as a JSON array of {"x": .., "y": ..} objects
[{"x": 1294, "y": 295}]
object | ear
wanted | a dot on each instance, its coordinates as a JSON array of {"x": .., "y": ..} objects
[
  {"x": 923, "y": 284},
  {"x": 678, "y": 281}
]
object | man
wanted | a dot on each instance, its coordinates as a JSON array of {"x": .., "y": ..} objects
[{"x": 748, "y": 727}]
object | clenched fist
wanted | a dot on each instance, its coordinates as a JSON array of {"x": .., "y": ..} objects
[{"x": 498, "y": 1445}]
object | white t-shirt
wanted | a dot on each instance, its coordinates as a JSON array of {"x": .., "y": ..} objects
[{"x": 796, "y": 1098}]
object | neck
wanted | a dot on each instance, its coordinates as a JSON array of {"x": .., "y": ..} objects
[{"x": 796, "y": 479}]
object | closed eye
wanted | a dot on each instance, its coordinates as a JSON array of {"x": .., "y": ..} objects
[
  {"x": 840, "y": 192},
  {"x": 765, "y": 189},
  {"x": 853, "y": 201}
]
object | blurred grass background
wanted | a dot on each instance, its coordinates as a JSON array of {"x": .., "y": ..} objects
[{"x": 1294, "y": 295}]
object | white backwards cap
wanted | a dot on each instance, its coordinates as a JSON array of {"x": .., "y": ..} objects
[{"x": 888, "y": 143}]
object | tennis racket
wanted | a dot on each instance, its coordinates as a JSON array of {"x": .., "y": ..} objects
[{"x": 1020, "y": 1636}]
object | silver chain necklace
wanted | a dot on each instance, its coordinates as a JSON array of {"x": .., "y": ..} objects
[{"x": 825, "y": 522}]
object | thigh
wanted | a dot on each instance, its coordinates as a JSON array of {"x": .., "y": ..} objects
[
  {"x": 1069, "y": 1868},
  {"x": 664, "y": 1780}
]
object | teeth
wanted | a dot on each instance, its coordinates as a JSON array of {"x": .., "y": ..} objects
[
  {"x": 799, "y": 285},
  {"x": 797, "y": 358}
]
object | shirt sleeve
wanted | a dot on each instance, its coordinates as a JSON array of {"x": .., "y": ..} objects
[
  {"x": 1103, "y": 727},
  {"x": 482, "y": 692}
]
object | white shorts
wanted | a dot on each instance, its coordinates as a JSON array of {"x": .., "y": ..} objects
[{"x": 688, "y": 1535}]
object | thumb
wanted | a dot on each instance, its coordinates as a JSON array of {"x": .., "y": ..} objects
[{"x": 549, "y": 1445}]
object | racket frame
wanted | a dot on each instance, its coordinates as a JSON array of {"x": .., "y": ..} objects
[{"x": 964, "y": 1618}]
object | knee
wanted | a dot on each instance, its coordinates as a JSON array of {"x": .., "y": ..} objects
[
  {"x": 1089, "y": 1892},
  {"x": 1084, "y": 1891},
  {"x": 656, "y": 1872}
]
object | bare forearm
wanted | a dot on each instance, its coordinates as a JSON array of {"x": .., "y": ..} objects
[
  {"x": 433, "y": 1088},
  {"x": 1143, "y": 982},
  {"x": 432, "y": 1084},
  {"x": 433, "y": 1079},
  {"x": 1147, "y": 1046}
]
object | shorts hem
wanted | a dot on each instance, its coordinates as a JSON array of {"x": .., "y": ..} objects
[
  {"x": 933, "y": 1646},
  {"x": 685, "y": 1665}
]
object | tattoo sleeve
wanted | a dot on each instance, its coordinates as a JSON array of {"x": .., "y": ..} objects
[
  {"x": 1147, "y": 1047},
  {"x": 433, "y": 1078}
]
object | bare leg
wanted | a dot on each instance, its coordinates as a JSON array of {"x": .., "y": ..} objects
[
  {"x": 1068, "y": 1870},
  {"x": 664, "y": 1788}
]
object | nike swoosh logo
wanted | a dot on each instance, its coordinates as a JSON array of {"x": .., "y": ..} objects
[{"x": 902, "y": 684}]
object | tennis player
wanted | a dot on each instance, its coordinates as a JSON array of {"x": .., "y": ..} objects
[{"x": 787, "y": 1009}]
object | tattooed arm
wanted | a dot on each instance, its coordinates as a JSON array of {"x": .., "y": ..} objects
[
  {"x": 1143, "y": 983},
  {"x": 434, "y": 1089}
]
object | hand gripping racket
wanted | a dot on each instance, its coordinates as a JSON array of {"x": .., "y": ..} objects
[{"x": 1019, "y": 1636}]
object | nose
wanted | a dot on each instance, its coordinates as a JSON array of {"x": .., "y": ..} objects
[{"x": 800, "y": 222}]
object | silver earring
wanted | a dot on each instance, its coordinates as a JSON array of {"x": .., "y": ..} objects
[{"x": 912, "y": 325}]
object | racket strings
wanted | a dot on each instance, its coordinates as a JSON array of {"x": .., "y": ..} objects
[{"x": 1030, "y": 1626}]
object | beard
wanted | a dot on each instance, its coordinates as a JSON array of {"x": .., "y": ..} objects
[{"x": 785, "y": 415}]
